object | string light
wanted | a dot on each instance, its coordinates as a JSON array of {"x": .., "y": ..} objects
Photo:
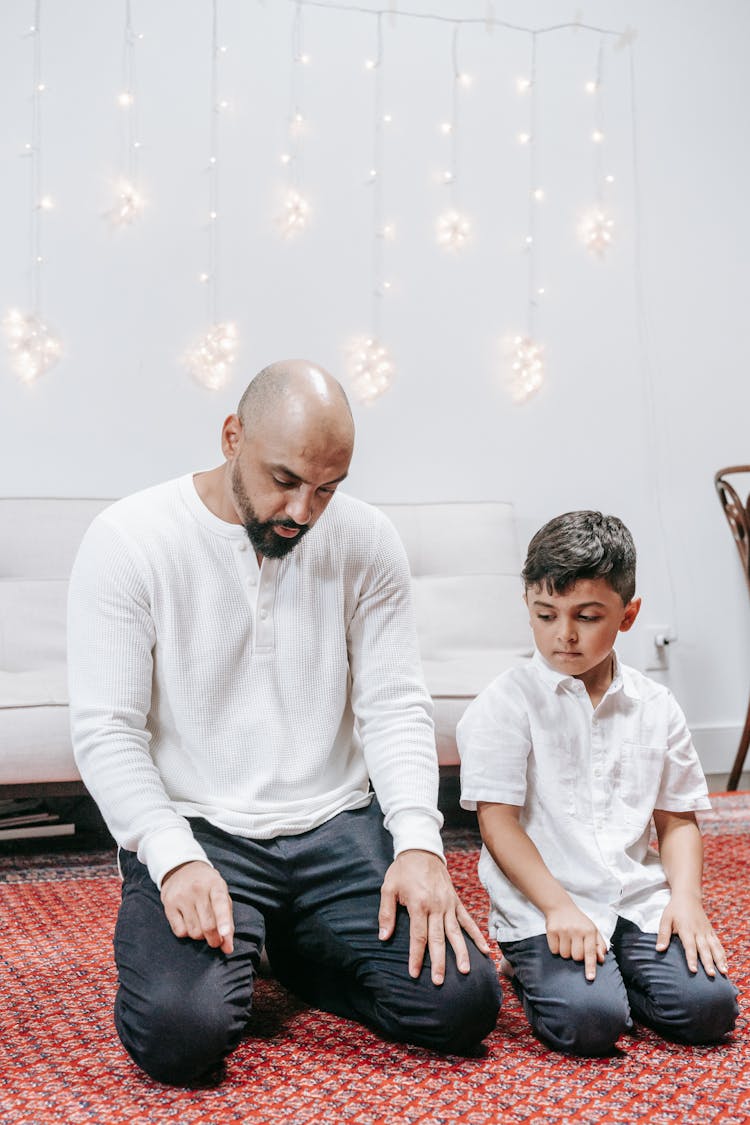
[
  {"x": 527, "y": 368},
  {"x": 128, "y": 201},
  {"x": 33, "y": 347},
  {"x": 370, "y": 367},
  {"x": 526, "y": 353},
  {"x": 453, "y": 228},
  {"x": 596, "y": 226},
  {"x": 295, "y": 209},
  {"x": 211, "y": 359}
]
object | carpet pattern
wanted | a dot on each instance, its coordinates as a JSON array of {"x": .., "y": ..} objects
[{"x": 61, "y": 1061}]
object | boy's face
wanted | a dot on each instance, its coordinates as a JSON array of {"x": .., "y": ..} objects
[{"x": 575, "y": 631}]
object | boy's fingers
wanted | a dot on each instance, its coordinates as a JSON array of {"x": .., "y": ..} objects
[
  {"x": 664, "y": 936},
  {"x": 590, "y": 959}
]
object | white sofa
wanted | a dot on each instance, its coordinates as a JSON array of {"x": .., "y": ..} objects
[{"x": 464, "y": 559}]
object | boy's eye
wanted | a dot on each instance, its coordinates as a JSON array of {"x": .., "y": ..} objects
[
  {"x": 587, "y": 617},
  {"x": 545, "y": 616}
]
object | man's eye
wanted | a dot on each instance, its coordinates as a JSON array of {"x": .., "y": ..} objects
[
  {"x": 327, "y": 491},
  {"x": 284, "y": 483}
]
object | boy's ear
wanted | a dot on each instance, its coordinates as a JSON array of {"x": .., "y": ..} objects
[{"x": 629, "y": 615}]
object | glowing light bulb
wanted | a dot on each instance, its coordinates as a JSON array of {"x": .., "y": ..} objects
[
  {"x": 387, "y": 118},
  {"x": 591, "y": 87},
  {"x": 524, "y": 138},
  {"x": 597, "y": 136},
  {"x": 128, "y": 204},
  {"x": 41, "y": 88},
  {"x": 203, "y": 278},
  {"x": 447, "y": 177},
  {"x": 595, "y": 231},
  {"x": 294, "y": 215},
  {"x": 609, "y": 179},
  {"x": 538, "y": 194},
  {"x": 32, "y": 346},
  {"x": 389, "y": 231},
  {"x": 125, "y": 99},
  {"x": 370, "y": 64},
  {"x": 446, "y": 128},
  {"x": 523, "y": 85},
  {"x": 286, "y": 157},
  {"x": 453, "y": 230},
  {"x": 305, "y": 59},
  {"x": 465, "y": 80},
  {"x": 46, "y": 203},
  {"x": 211, "y": 360},
  {"x": 370, "y": 367},
  {"x": 526, "y": 368}
]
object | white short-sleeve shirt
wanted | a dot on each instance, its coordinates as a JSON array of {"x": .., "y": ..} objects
[{"x": 587, "y": 781}]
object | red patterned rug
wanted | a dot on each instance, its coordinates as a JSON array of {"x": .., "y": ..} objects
[{"x": 61, "y": 1061}]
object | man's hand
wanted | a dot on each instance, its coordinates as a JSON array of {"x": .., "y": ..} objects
[
  {"x": 685, "y": 916},
  {"x": 571, "y": 933},
  {"x": 197, "y": 904},
  {"x": 420, "y": 881}
]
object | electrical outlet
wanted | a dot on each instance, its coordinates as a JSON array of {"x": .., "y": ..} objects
[{"x": 657, "y": 639}]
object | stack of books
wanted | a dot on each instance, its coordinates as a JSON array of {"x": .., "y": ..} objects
[{"x": 24, "y": 818}]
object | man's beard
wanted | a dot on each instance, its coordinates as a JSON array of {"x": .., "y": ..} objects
[{"x": 261, "y": 534}]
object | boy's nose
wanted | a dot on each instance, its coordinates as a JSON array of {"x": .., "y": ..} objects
[{"x": 568, "y": 632}]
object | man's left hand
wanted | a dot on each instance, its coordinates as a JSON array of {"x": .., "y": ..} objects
[{"x": 420, "y": 881}]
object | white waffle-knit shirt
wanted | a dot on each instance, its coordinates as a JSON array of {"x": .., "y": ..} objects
[{"x": 205, "y": 685}]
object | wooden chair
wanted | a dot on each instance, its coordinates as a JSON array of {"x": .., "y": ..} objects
[{"x": 738, "y": 517}]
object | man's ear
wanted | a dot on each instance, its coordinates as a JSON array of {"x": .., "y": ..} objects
[
  {"x": 231, "y": 436},
  {"x": 629, "y": 615}
]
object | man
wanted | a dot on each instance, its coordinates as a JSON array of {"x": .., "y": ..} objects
[{"x": 242, "y": 676}]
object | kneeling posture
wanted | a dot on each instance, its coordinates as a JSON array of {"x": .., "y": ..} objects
[
  {"x": 566, "y": 761},
  {"x": 248, "y": 712}
]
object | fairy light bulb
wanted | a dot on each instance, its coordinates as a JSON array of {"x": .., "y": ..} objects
[
  {"x": 211, "y": 360},
  {"x": 526, "y": 368},
  {"x": 523, "y": 85},
  {"x": 125, "y": 99},
  {"x": 595, "y": 231},
  {"x": 32, "y": 345},
  {"x": 371, "y": 369},
  {"x": 597, "y": 136},
  {"x": 591, "y": 87},
  {"x": 453, "y": 230},
  {"x": 524, "y": 138},
  {"x": 127, "y": 205},
  {"x": 294, "y": 215}
]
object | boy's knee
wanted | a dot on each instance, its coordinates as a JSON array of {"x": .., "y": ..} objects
[
  {"x": 704, "y": 1014},
  {"x": 178, "y": 1040},
  {"x": 589, "y": 1027}
]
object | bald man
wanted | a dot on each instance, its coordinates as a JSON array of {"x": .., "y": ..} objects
[{"x": 248, "y": 712}]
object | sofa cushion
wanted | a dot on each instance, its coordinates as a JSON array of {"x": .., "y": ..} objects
[
  {"x": 45, "y": 687},
  {"x": 36, "y": 745},
  {"x": 32, "y": 623}
]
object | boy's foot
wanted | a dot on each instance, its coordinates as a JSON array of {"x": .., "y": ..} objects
[{"x": 506, "y": 968}]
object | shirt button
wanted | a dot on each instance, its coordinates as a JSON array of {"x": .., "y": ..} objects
[
  {"x": 597, "y": 772},
  {"x": 264, "y": 614},
  {"x": 242, "y": 546}
]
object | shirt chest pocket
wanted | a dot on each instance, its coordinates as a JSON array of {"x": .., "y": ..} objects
[{"x": 641, "y": 770}]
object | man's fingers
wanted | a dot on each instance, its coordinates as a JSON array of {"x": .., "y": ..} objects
[
  {"x": 436, "y": 941},
  {"x": 456, "y": 938},
  {"x": 223, "y": 919},
  {"x": 386, "y": 914},
  {"x": 417, "y": 943},
  {"x": 466, "y": 921}
]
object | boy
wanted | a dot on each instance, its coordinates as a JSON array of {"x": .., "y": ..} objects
[{"x": 566, "y": 760}]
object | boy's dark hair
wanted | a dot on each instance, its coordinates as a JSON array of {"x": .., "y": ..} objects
[{"x": 581, "y": 545}]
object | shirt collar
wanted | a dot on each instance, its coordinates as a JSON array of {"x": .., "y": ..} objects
[{"x": 621, "y": 678}]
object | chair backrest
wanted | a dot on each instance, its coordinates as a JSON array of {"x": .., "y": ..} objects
[{"x": 737, "y": 512}]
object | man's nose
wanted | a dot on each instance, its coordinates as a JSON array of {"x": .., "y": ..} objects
[{"x": 300, "y": 505}]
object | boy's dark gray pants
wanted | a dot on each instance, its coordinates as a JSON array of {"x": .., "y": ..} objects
[
  {"x": 581, "y": 1017},
  {"x": 313, "y": 900}
]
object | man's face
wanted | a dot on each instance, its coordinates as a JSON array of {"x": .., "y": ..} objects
[
  {"x": 575, "y": 631},
  {"x": 282, "y": 481}
]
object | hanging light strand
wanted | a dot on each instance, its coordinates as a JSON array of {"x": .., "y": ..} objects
[
  {"x": 128, "y": 201},
  {"x": 453, "y": 226},
  {"x": 32, "y": 346},
  {"x": 370, "y": 366},
  {"x": 295, "y": 210},
  {"x": 211, "y": 360},
  {"x": 596, "y": 226}
]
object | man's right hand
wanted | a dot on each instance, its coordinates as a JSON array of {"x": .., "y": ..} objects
[
  {"x": 197, "y": 904},
  {"x": 571, "y": 933}
]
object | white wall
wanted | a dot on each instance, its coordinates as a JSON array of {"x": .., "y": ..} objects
[{"x": 639, "y": 409}]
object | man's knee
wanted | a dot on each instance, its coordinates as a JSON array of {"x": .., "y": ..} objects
[
  {"x": 453, "y": 1017},
  {"x": 178, "y": 1038}
]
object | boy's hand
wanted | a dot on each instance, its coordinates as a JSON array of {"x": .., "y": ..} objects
[
  {"x": 571, "y": 933},
  {"x": 686, "y": 917}
]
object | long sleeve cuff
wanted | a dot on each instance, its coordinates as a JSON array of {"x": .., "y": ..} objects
[
  {"x": 415, "y": 829},
  {"x": 168, "y": 848}
]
